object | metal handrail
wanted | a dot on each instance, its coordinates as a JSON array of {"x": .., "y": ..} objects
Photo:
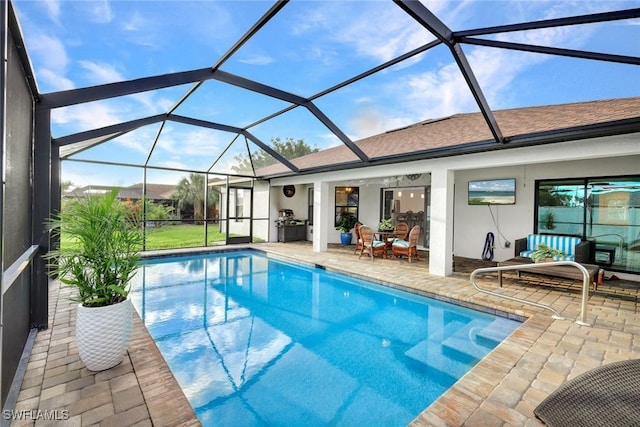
[
  {"x": 13, "y": 272},
  {"x": 585, "y": 285}
]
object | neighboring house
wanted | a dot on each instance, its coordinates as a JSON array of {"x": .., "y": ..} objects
[
  {"x": 158, "y": 193},
  {"x": 589, "y": 152}
]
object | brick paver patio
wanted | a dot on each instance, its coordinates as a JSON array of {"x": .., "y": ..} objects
[{"x": 501, "y": 390}]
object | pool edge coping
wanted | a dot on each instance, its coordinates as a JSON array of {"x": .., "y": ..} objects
[{"x": 156, "y": 380}]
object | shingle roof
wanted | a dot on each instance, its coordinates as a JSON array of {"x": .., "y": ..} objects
[
  {"x": 157, "y": 191},
  {"x": 134, "y": 192},
  {"x": 462, "y": 130}
]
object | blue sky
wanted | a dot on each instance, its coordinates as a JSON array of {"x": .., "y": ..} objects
[{"x": 309, "y": 46}]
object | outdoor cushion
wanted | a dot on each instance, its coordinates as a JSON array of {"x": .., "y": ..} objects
[
  {"x": 401, "y": 243},
  {"x": 376, "y": 244},
  {"x": 566, "y": 244}
]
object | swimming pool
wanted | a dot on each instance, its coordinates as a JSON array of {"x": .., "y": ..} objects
[{"x": 255, "y": 341}]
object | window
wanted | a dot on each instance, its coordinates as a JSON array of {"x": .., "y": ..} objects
[
  {"x": 347, "y": 199},
  {"x": 560, "y": 208},
  {"x": 605, "y": 210}
]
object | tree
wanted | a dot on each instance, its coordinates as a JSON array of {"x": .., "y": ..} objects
[
  {"x": 289, "y": 149},
  {"x": 153, "y": 211},
  {"x": 553, "y": 196},
  {"x": 190, "y": 192},
  {"x": 66, "y": 186}
]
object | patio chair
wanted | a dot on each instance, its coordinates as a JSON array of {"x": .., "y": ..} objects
[
  {"x": 400, "y": 231},
  {"x": 370, "y": 246},
  {"x": 359, "y": 245},
  {"x": 408, "y": 247}
]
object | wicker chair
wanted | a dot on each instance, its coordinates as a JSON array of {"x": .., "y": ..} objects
[
  {"x": 407, "y": 247},
  {"x": 400, "y": 231},
  {"x": 607, "y": 395},
  {"x": 370, "y": 246},
  {"x": 359, "y": 245}
]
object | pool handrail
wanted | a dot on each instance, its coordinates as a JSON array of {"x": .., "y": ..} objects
[{"x": 585, "y": 285}]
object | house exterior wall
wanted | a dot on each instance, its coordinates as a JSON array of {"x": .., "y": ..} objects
[
  {"x": 298, "y": 203},
  {"x": 261, "y": 211},
  {"x": 606, "y": 156},
  {"x": 472, "y": 223}
]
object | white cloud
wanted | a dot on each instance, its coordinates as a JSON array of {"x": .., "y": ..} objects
[
  {"x": 81, "y": 174},
  {"x": 142, "y": 31},
  {"x": 312, "y": 20},
  {"x": 135, "y": 22},
  {"x": 51, "y": 56},
  {"x": 86, "y": 116},
  {"x": 53, "y": 9},
  {"x": 134, "y": 140},
  {"x": 442, "y": 92},
  {"x": 52, "y": 81},
  {"x": 100, "y": 73},
  {"x": 173, "y": 164},
  {"x": 257, "y": 60},
  {"x": 191, "y": 142},
  {"x": 152, "y": 103},
  {"x": 100, "y": 11},
  {"x": 376, "y": 31},
  {"x": 331, "y": 141},
  {"x": 383, "y": 40},
  {"x": 50, "y": 52}
]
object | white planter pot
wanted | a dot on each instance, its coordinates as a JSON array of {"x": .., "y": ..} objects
[{"x": 103, "y": 334}]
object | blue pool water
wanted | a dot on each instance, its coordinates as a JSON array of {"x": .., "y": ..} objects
[{"x": 254, "y": 341}]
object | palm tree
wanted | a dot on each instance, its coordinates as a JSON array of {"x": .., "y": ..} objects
[{"x": 190, "y": 192}]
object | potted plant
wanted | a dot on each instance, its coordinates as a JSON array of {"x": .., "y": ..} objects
[
  {"x": 99, "y": 255},
  {"x": 346, "y": 222},
  {"x": 386, "y": 225},
  {"x": 548, "y": 220},
  {"x": 544, "y": 253}
]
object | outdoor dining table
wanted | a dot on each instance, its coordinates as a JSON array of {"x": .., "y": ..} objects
[{"x": 384, "y": 237}]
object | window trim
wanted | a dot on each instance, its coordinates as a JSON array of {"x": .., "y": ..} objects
[{"x": 353, "y": 208}]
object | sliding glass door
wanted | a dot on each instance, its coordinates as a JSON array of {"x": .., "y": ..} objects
[
  {"x": 410, "y": 205},
  {"x": 605, "y": 210}
]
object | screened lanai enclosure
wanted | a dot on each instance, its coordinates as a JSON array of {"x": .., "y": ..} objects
[{"x": 227, "y": 96}]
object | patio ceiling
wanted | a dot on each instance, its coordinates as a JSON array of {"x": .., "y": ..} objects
[{"x": 218, "y": 114}]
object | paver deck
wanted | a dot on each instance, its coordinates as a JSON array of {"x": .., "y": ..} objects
[{"x": 500, "y": 390}]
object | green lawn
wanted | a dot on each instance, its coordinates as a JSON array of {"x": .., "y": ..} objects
[
  {"x": 174, "y": 236},
  {"x": 181, "y": 236}
]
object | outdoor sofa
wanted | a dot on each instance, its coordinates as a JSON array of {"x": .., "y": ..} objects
[{"x": 574, "y": 248}]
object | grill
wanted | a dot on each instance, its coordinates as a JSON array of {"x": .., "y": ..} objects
[
  {"x": 290, "y": 228},
  {"x": 285, "y": 217}
]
